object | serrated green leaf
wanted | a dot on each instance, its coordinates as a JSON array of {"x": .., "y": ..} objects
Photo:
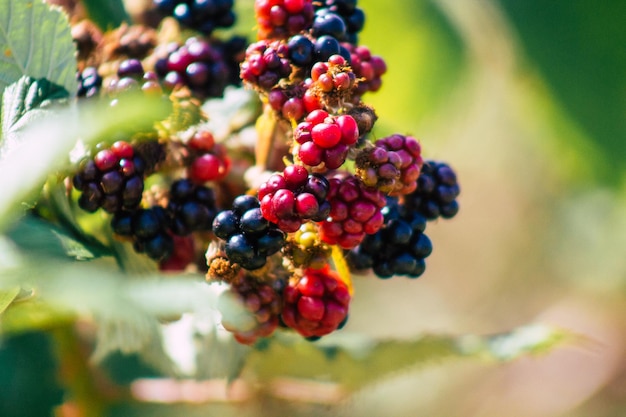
[
  {"x": 23, "y": 96},
  {"x": 7, "y": 296},
  {"x": 36, "y": 40},
  {"x": 356, "y": 361}
]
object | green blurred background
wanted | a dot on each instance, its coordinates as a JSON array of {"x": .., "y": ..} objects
[{"x": 527, "y": 101}]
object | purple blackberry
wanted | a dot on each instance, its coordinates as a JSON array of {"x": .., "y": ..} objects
[
  {"x": 148, "y": 229},
  {"x": 131, "y": 76},
  {"x": 266, "y": 64},
  {"x": 250, "y": 239},
  {"x": 198, "y": 65},
  {"x": 114, "y": 178},
  {"x": 89, "y": 82},
  {"x": 201, "y": 15},
  {"x": 191, "y": 207},
  {"x": 436, "y": 193},
  {"x": 399, "y": 248}
]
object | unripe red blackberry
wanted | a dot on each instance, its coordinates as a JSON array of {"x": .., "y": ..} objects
[
  {"x": 249, "y": 237},
  {"x": 392, "y": 165},
  {"x": 436, "y": 193},
  {"x": 367, "y": 68},
  {"x": 355, "y": 212},
  {"x": 266, "y": 64},
  {"x": 208, "y": 160},
  {"x": 191, "y": 207},
  {"x": 290, "y": 198},
  {"x": 399, "y": 248},
  {"x": 316, "y": 303},
  {"x": 325, "y": 139},
  {"x": 279, "y": 19},
  {"x": 265, "y": 304}
]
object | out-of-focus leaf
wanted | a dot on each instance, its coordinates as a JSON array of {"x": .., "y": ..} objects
[
  {"x": 7, "y": 296},
  {"x": 578, "y": 47},
  {"x": 33, "y": 315},
  {"x": 38, "y": 236},
  {"x": 355, "y": 361},
  {"x": 107, "y": 14},
  {"x": 24, "y": 167},
  {"x": 425, "y": 61},
  {"x": 35, "y": 40}
]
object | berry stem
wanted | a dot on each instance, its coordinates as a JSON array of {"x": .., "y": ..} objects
[{"x": 271, "y": 143}]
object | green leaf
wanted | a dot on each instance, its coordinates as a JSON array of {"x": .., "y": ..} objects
[
  {"x": 24, "y": 168},
  {"x": 22, "y": 97},
  {"x": 7, "y": 296},
  {"x": 355, "y": 361},
  {"x": 107, "y": 14},
  {"x": 578, "y": 48},
  {"x": 36, "y": 40},
  {"x": 33, "y": 314}
]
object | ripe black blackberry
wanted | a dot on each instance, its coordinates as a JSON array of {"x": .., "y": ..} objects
[
  {"x": 89, "y": 82},
  {"x": 148, "y": 229},
  {"x": 399, "y": 248},
  {"x": 352, "y": 17},
  {"x": 191, "y": 207},
  {"x": 249, "y": 237},
  {"x": 436, "y": 193},
  {"x": 201, "y": 15}
]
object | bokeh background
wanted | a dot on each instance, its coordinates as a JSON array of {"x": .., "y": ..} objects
[{"x": 527, "y": 101}]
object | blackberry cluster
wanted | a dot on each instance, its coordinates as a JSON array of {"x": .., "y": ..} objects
[
  {"x": 132, "y": 76},
  {"x": 234, "y": 52},
  {"x": 129, "y": 41},
  {"x": 437, "y": 190},
  {"x": 339, "y": 18},
  {"x": 148, "y": 229},
  {"x": 399, "y": 248},
  {"x": 89, "y": 82},
  {"x": 290, "y": 198},
  {"x": 197, "y": 65},
  {"x": 355, "y": 212},
  {"x": 316, "y": 303},
  {"x": 266, "y": 64},
  {"x": 201, "y": 15},
  {"x": 279, "y": 19},
  {"x": 112, "y": 180},
  {"x": 249, "y": 237},
  {"x": 367, "y": 68},
  {"x": 191, "y": 207},
  {"x": 264, "y": 302},
  {"x": 325, "y": 139}
]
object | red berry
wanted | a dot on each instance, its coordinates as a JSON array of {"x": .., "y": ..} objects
[
  {"x": 326, "y": 135},
  {"x": 202, "y": 140},
  {"x": 205, "y": 168},
  {"x": 105, "y": 159}
]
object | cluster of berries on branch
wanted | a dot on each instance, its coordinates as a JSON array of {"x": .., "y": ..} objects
[{"x": 282, "y": 219}]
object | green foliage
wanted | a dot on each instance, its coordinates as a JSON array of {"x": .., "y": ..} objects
[
  {"x": 578, "y": 46},
  {"x": 35, "y": 40},
  {"x": 107, "y": 14}
]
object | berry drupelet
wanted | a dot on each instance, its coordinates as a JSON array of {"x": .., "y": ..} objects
[
  {"x": 202, "y": 15},
  {"x": 148, "y": 228}
]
